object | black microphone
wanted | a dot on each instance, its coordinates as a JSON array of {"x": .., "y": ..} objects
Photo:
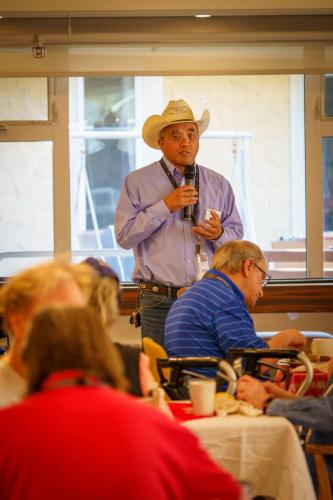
[{"x": 189, "y": 174}]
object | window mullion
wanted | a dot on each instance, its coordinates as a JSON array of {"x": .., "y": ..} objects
[
  {"x": 61, "y": 173},
  {"x": 314, "y": 178}
]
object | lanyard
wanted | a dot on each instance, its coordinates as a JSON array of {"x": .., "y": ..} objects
[
  {"x": 70, "y": 378},
  {"x": 175, "y": 185},
  {"x": 213, "y": 276}
]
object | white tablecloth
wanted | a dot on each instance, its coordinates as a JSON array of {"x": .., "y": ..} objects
[{"x": 265, "y": 451}]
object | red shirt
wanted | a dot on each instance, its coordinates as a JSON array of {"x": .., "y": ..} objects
[{"x": 95, "y": 443}]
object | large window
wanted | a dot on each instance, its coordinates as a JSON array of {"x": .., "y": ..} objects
[
  {"x": 256, "y": 139},
  {"x": 26, "y": 173},
  {"x": 327, "y": 171},
  {"x": 26, "y": 222},
  {"x": 103, "y": 129},
  {"x": 328, "y": 184}
]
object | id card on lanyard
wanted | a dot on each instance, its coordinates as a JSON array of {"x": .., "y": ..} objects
[
  {"x": 201, "y": 262},
  {"x": 201, "y": 257}
]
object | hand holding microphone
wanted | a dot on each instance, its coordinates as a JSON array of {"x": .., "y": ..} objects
[
  {"x": 183, "y": 196},
  {"x": 189, "y": 174}
]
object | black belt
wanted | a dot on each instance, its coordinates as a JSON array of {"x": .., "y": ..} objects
[{"x": 159, "y": 288}]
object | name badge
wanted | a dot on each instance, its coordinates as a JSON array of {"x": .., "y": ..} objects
[{"x": 201, "y": 262}]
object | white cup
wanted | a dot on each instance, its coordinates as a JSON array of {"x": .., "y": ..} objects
[
  {"x": 322, "y": 347},
  {"x": 202, "y": 394}
]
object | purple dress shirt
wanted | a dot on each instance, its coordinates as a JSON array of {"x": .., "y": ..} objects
[{"x": 163, "y": 243}]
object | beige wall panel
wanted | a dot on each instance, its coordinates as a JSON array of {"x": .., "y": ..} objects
[
  {"x": 226, "y": 59},
  {"x": 150, "y": 7}
]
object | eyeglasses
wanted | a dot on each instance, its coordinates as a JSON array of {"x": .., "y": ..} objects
[{"x": 267, "y": 276}]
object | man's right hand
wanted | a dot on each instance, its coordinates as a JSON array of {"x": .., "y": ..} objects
[
  {"x": 277, "y": 392},
  {"x": 287, "y": 338},
  {"x": 251, "y": 390},
  {"x": 181, "y": 197}
]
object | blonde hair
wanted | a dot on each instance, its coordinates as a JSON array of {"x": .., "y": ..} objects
[
  {"x": 70, "y": 338},
  {"x": 21, "y": 291},
  {"x": 232, "y": 254},
  {"x": 104, "y": 299}
]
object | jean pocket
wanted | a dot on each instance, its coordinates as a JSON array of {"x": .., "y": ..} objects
[{"x": 150, "y": 299}]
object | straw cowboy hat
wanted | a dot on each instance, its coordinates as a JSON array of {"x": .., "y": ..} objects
[{"x": 175, "y": 112}]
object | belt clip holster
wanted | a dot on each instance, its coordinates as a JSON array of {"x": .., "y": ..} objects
[{"x": 135, "y": 318}]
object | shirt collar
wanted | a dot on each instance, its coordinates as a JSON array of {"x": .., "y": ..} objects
[
  {"x": 173, "y": 170},
  {"x": 69, "y": 377},
  {"x": 230, "y": 282}
]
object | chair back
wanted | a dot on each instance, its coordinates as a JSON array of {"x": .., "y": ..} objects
[
  {"x": 155, "y": 351},
  {"x": 319, "y": 451}
]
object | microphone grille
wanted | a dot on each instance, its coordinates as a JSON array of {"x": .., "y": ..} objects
[{"x": 189, "y": 171}]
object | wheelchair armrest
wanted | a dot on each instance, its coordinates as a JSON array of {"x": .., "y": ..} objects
[
  {"x": 183, "y": 364},
  {"x": 226, "y": 372},
  {"x": 261, "y": 353},
  {"x": 309, "y": 373},
  {"x": 189, "y": 361}
]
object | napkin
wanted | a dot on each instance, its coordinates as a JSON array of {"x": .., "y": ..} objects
[{"x": 226, "y": 405}]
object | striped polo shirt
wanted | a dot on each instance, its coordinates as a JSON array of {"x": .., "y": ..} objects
[{"x": 209, "y": 319}]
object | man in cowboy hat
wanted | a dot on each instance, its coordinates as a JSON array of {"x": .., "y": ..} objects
[{"x": 170, "y": 251}]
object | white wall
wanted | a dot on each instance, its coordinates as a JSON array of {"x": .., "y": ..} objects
[{"x": 126, "y": 333}]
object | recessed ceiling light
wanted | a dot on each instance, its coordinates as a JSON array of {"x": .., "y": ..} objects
[{"x": 202, "y": 15}]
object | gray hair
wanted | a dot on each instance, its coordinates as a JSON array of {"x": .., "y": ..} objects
[{"x": 232, "y": 254}]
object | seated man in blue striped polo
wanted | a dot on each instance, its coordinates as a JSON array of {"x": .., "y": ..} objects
[{"x": 212, "y": 316}]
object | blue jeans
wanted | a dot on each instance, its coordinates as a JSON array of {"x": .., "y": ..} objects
[{"x": 153, "y": 310}]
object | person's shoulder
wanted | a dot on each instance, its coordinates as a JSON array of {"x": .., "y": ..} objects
[
  {"x": 10, "y": 395},
  {"x": 134, "y": 412},
  {"x": 144, "y": 172},
  {"x": 206, "y": 291},
  {"x": 3, "y": 364},
  {"x": 210, "y": 174},
  {"x": 12, "y": 385}
]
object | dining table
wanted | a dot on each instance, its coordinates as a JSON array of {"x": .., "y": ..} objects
[{"x": 263, "y": 451}]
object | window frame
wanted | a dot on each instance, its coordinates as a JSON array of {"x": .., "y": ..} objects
[
  {"x": 307, "y": 295},
  {"x": 56, "y": 131},
  {"x": 51, "y": 84}
]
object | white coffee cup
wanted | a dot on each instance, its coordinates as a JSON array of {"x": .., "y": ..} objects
[
  {"x": 202, "y": 394},
  {"x": 322, "y": 347}
]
